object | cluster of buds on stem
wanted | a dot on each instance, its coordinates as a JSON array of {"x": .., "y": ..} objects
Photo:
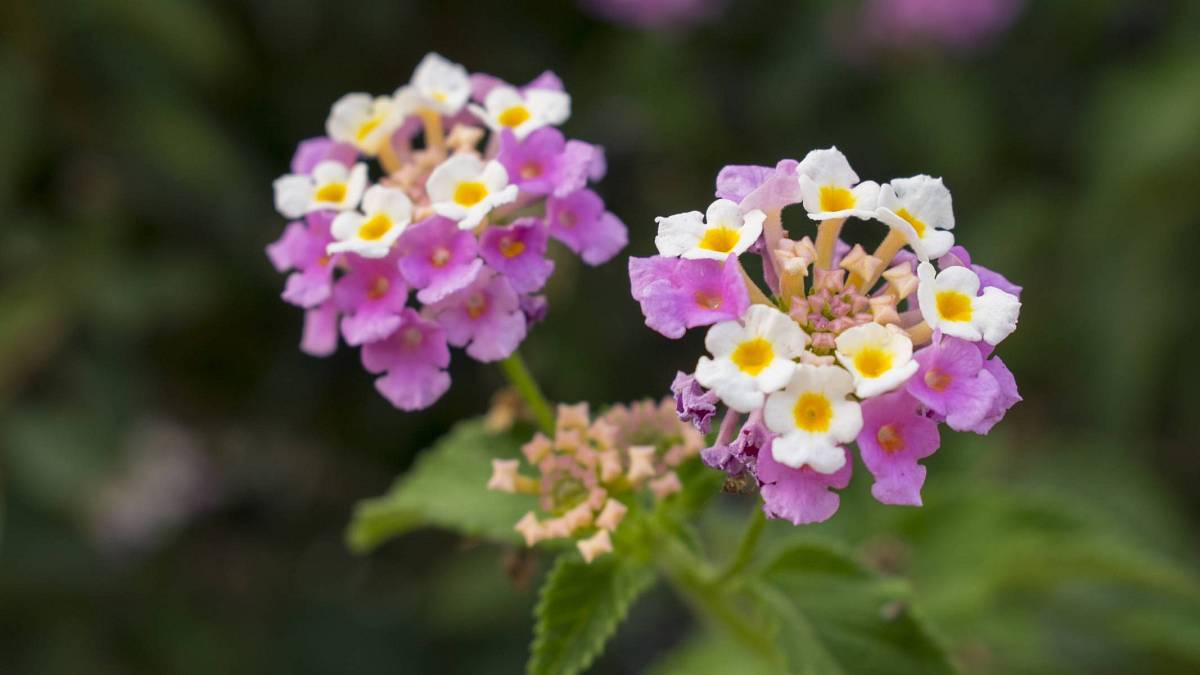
[{"x": 591, "y": 473}]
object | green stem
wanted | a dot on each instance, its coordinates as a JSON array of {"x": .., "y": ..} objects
[
  {"x": 693, "y": 579},
  {"x": 745, "y": 549},
  {"x": 522, "y": 380}
]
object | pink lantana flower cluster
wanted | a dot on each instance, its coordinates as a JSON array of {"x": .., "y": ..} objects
[
  {"x": 592, "y": 473},
  {"x": 447, "y": 245},
  {"x": 843, "y": 346}
]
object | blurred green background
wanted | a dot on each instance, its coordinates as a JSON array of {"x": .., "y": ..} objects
[{"x": 176, "y": 475}]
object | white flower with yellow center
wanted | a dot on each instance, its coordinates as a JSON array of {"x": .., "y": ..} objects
[
  {"x": 920, "y": 208},
  {"x": 813, "y": 417},
  {"x": 727, "y": 232},
  {"x": 831, "y": 190},
  {"x": 330, "y": 186},
  {"x": 437, "y": 84},
  {"x": 386, "y": 212},
  {"x": 751, "y": 358},
  {"x": 506, "y": 108},
  {"x": 878, "y": 357},
  {"x": 950, "y": 302},
  {"x": 465, "y": 188},
  {"x": 364, "y": 122}
]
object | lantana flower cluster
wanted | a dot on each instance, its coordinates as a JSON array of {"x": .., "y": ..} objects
[
  {"x": 843, "y": 346},
  {"x": 447, "y": 244},
  {"x": 593, "y": 472}
]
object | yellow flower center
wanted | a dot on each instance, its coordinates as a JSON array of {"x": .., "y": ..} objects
[
  {"x": 514, "y": 116},
  {"x": 954, "y": 306},
  {"x": 374, "y": 227},
  {"x": 872, "y": 361},
  {"x": 379, "y": 288},
  {"x": 813, "y": 412},
  {"x": 917, "y": 223},
  {"x": 367, "y": 127},
  {"x": 440, "y": 96},
  {"x": 330, "y": 192},
  {"x": 889, "y": 439},
  {"x": 834, "y": 198},
  {"x": 752, "y": 356},
  {"x": 511, "y": 247},
  {"x": 469, "y": 193},
  {"x": 719, "y": 239}
]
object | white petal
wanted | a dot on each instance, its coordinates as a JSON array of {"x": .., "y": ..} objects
[
  {"x": 494, "y": 176},
  {"x": 734, "y": 388},
  {"x": 549, "y": 105},
  {"x": 960, "y": 279},
  {"x": 292, "y": 195},
  {"x": 776, "y": 375},
  {"x": 724, "y": 337},
  {"x": 778, "y": 412},
  {"x": 679, "y": 233},
  {"x": 346, "y": 115},
  {"x": 445, "y": 178},
  {"x": 346, "y": 225},
  {"x": 828, "y": 167},
  {"x": 330, "y": 171},
  {"x": 847, "y": 421},
  {"x": 995, "y": 313},
  {"x": 355, "y": 186},
  {"x": 925, "y": 197}
]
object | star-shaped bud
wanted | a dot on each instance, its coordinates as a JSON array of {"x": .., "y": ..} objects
[
  {"x": 883, "y": 309},
  {"x": 861, "y": 264},
  {"x": 573, "y": 416},
  {"x": 464, "y": 138},
  {"x": 611, "y": 516},
  {"x": 603, "y": 434},
  {"x": 537, "y": 448},
  {"x": 530, "y": 529},
  {"x": 830, "y": 280},
  {"x": 578, "y": 517},
  {"x": 665, "y": 485},
  {"x": 595, "y": 546},
  {"x": 641, "y": 463},
  {"x": 901, "y": 280},
  {"x": 504, "y": 475},
  {"x": 610, "y": 466}
]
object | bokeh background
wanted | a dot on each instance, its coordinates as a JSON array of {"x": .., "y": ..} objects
[{"x": 176, "y": 476}]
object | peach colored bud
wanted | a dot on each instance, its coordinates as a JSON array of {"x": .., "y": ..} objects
[
  {"x": 567, "y": 440},
  {"x": 812, "y": 359},
  {"x": 883, "y": 310},
  {"x": 641, "y": 463},
  {"x": 665, "y": 485},
  {"x": 573, "y": 416},
  {"x": 504, "y": 475},
  {"x": 464, "y": 138},
  {"x": 861, "y": 264},
  {"x": 611, "y": 516},
  {"x": 595, "y": 546},
  {"x": 537, "y": 448},
  {"x": 578, "y": 517},
  {"x": 603, "y": 434},
  {"x": 901, "y": 280},
  {"x": 555, "y": 528},
  {"x": 610, "y": 466},
  {"x": 530, "y": 529}
]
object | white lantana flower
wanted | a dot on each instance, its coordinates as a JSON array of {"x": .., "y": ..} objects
[
  {"x": 506, "y": 108},
  {"x": 437, "y": 84},
  {"x": 465, "y": 189},
  {"x": 727, "y": 232},
  {"x": 919, "y": 207},
  {"x": 813, "y": 416},
  {"x": 831, "y": 189},
  {"x": 751, "y": 358},
  {"x": 330, "y": 186},
  {"x": 878, "y": 357},
  {"x": 950, "y": 302},
  {"x": 386, "y": 212},
  {"x": 364, "y": 122}
]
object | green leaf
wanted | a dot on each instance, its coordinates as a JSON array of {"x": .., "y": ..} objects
[
  {"x": 712, "y": 654},
  {"x": 832, "y": 615},
  {"x": 579, "y": 609},
  {"x": 446, "y": 488}
]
